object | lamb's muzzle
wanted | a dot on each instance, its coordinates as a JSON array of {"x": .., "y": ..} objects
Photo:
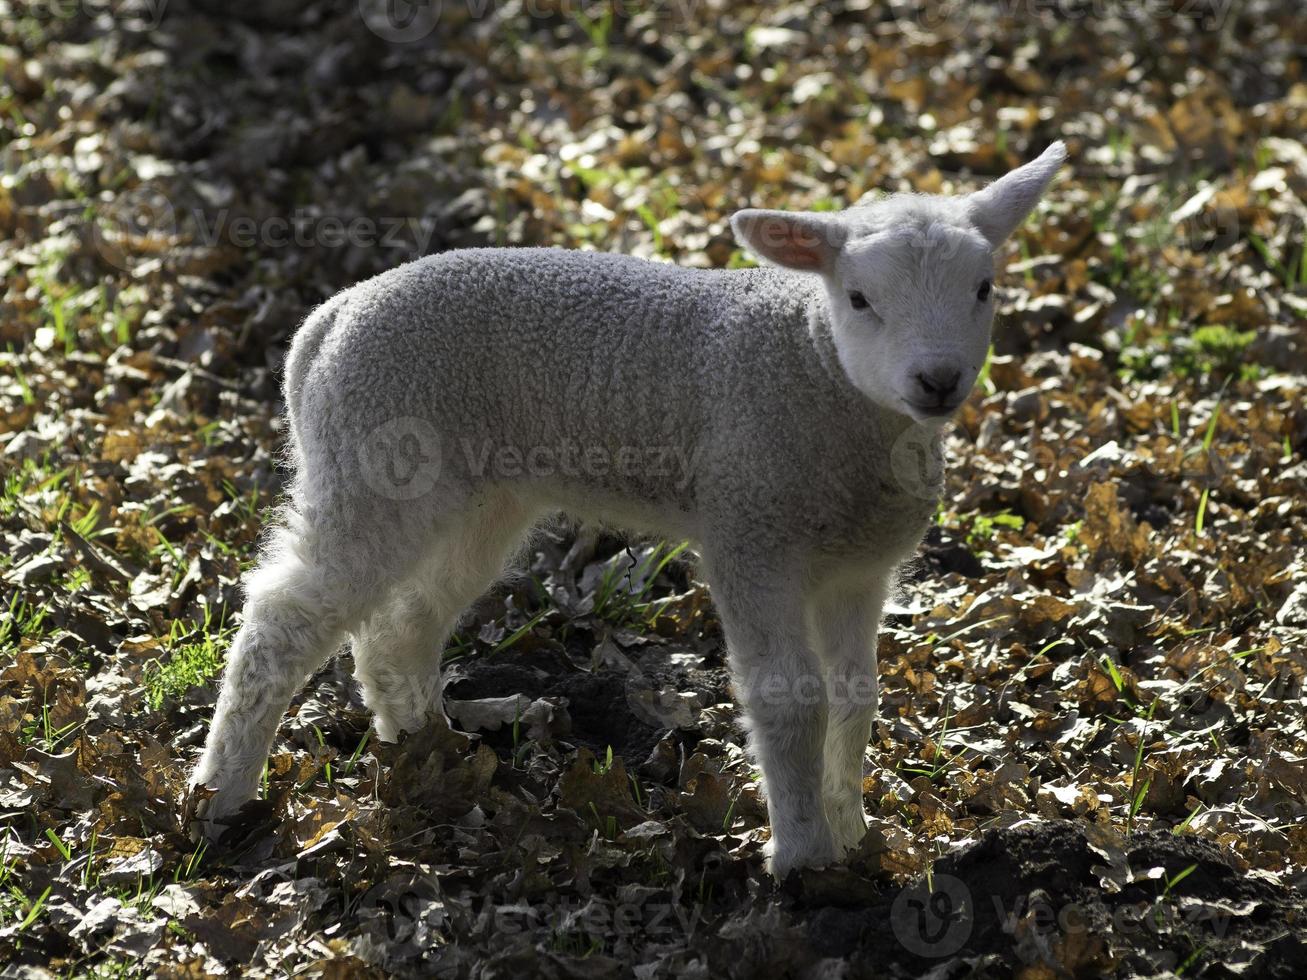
[
  {"x": 938, "y": 389},
  {"x": 801, "y": 401}
]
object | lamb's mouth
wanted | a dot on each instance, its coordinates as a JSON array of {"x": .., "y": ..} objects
[{"x": 931, "y": 411}]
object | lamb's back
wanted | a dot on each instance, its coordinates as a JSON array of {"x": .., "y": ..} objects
[{"x": 532, "y": 347}]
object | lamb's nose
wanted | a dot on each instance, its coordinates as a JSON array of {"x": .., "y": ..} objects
[{"x": 939, "y": 384}]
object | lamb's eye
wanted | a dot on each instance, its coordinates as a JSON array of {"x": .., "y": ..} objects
[
  {"x": 858, "y": 301},
  {"x": 983, "y": 292}
]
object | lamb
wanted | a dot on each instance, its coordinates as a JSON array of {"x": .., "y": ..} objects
[{"x": 439, "y": 410}]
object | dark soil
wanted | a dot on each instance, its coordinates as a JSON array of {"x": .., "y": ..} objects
[
  {"x": 1074, "y": 901},
  {"x": 599, "y": 701}
]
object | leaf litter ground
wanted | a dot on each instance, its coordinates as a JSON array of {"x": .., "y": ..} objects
[{"x": 1090, "y": 757}]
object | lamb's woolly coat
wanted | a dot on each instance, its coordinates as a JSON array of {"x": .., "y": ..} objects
[
  {"x": 712, "y": 395},
  {"x": 786, "y": 421}
]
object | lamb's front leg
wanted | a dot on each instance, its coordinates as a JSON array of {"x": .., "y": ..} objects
[
  {"x": 778, "y": 681},
  {"x": 844, "y": 622}
]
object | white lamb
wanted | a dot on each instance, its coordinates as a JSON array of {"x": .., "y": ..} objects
[{"x": 438, "y": 410}]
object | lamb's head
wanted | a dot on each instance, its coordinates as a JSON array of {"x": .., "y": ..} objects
[{"x": 909, "y": 282}]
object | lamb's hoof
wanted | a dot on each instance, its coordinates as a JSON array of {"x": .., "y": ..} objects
[
  {"x": 848, "y": 829},
  {"x": 205, "y": 819},
  {"x": 195, "y": 812},
  {"x": 780, "y": 861},
  {"x": 392, "y": 729}
]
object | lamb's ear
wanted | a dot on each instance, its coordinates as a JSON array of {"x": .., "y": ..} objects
[
  {"x": 999, "y": 209},
  {"x": 794, "y": 239}
]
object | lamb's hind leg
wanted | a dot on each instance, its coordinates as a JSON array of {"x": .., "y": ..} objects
[
  {"x": 397, "y": 651},
  {"x": 397, "y": 659},
  {"x": 844, "y": 622},
  {"x": 317, "y": 579}
]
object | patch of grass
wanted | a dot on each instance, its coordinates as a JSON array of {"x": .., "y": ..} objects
[
  {"x": 23, "y": 620},
  {"x": 983, "y": 382},
  {"x": 94, "y": 318},
  {"x": 43, "y": 732},
  {"x": 653, "y": 198},
  {"x": 1138, "y": 793},
  {"x": 1208, "y": 437},
  {"x": 621, "y": 597},
  {"x": 1213, "y": 350},
  {"x": 940, "y": 759},
  {"x": 979, "y": 529},
  {"x": 521, "y": 631},
  {"x": 597, "y": 29},
  {"x": 607, "y": 826},
  {"x": 651, "y": 222},
  {"x": 113, "y": 969},
  {"x": 196, "y": 655},
  {"x": 18, "y": 910},
  {"x": 27, "y": 481},
  {"x": 1201, "y": 516},
  {"x": 1144, "y": 282},
  {"x": 1217, "y": 347},
  {"x": 1292, "y": 270},
  {"x": 24, "y": 386},
  {"x": 326, "y": 771}
]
